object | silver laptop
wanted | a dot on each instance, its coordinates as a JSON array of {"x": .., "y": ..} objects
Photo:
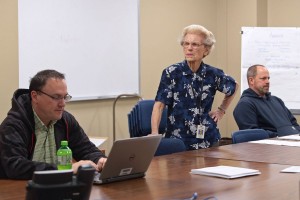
[{"x": 128, "y": 159}]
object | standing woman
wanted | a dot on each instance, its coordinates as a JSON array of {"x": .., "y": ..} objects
[{"x": 188, "y": 89}]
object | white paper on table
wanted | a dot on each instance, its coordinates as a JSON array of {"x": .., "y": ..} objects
[
  {"x": 226, "y": 171},
  {"x": 290, "y": 137},
  {"x": 278, "y": 142},
  {"x": 292, "y": 169},
  {"x": 97, "y": 141}
]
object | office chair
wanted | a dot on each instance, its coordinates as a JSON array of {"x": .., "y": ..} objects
[
  {"x": 139, "y": 124},
  {"x": 170, "y": 145},
  {"x": 139, "y": 119},
  {"x": 249, "y": 135},
  {"x": 130, "y": 124}
]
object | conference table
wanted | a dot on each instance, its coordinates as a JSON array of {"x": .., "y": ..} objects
[
  {"x": 254, "y": 152},
  {"x": 169, "y": 177}
]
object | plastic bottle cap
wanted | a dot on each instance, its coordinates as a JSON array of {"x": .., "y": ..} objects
[{"x": 64, "y": 143}]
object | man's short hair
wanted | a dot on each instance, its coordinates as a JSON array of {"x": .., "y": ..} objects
[
  {"x": 40, "y": 79},
  {"x": 252, "y": 71}
]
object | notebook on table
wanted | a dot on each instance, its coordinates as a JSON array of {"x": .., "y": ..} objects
[{"x": 128, "y": 159}]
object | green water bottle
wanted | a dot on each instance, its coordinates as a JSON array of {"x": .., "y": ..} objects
[{"x": 64, "y": 156}]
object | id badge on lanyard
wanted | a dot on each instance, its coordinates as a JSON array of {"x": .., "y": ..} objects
[
  {"x": 201, "y": 128},
  {"x": 200, "y": 131}
]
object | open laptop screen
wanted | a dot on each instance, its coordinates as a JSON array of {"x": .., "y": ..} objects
[{"x": 129, "y": 158}]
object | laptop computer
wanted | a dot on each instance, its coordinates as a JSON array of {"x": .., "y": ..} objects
[{"x": 128, "y": 159}]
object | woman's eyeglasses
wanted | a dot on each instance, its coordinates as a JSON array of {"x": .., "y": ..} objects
[{"x": 194, "y": 45}]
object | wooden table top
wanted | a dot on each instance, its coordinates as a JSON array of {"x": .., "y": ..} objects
[
  {"x": 253, "y": 152},
  {"x": 168, "y": 177}
]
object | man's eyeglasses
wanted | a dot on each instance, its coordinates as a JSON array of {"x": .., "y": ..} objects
[
  {"x": 193, "y": 44},
  {"x": 66, "y": 98}
]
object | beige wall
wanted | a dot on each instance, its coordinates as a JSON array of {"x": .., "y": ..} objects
[
  {"x": 8, "y": 53},
  {"x": 161, "y": 22}
]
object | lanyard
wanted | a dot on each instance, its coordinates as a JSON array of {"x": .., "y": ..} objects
[{"x": 199, "y": 102}]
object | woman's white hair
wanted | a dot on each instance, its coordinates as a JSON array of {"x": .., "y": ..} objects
[{"x": 209, "y": 38}]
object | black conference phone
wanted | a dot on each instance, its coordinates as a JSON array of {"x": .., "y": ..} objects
[{"x": 61, "y": 184}]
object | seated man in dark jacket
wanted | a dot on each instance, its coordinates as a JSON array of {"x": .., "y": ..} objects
[
  {"x": 35, "y": 125},
  {"x": 257, "y": 108}
]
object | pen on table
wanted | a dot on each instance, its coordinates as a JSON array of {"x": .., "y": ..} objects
[{"x": 194, "y": 197}]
